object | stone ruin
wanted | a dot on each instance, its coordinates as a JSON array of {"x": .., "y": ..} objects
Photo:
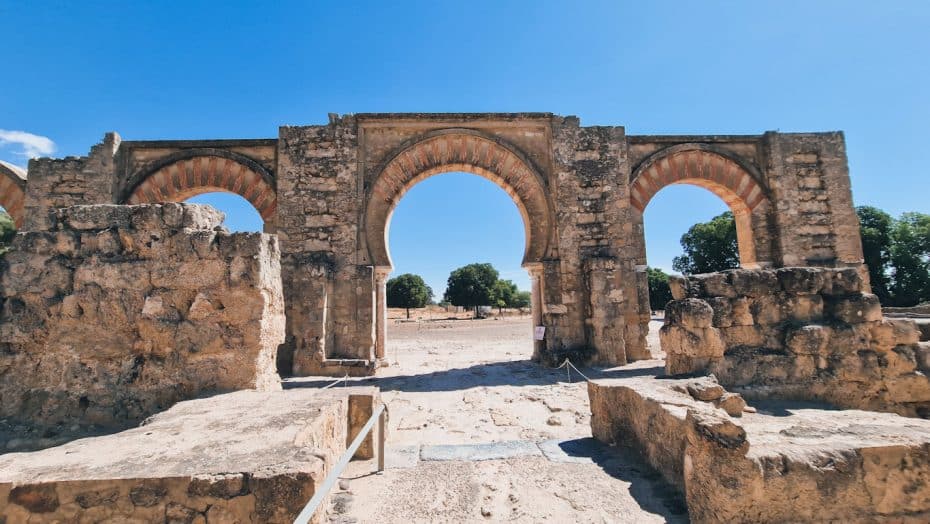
[
  {"x": 797, "y": 344},
  {"x": 118, "y": 302},
  {"x": 328, "y": 191},
  {"x": 797, "y": 333},
  {"x": 118, "y": 312}
]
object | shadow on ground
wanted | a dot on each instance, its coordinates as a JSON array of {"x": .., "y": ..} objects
[
  {"x": 514, "y": 373},
  {"x": 647, "y": 487}
]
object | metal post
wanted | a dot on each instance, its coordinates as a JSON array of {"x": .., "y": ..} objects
[
  {"x": 382, "y": 436},
  {"x": 323, "y": 490}
]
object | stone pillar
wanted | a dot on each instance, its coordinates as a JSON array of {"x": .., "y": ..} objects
[
  {"x": 605, "y": 329},
  {"x": 381, "y": 276},
  {"x": 536, "y": 302}
]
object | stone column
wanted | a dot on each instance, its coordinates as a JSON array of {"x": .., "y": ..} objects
[
  {"x": 536, "y": 302},
  {"x": 381, "y": 276}
]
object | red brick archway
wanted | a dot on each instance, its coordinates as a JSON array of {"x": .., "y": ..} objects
[
  {"x": 459, "y": 150},
  {"x": 13, "y": 191},
  {"x": 714, "y": 171},
  {"x": 195, "y": 173}
]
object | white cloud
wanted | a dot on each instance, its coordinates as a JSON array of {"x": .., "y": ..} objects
[{"x": 31, "y": 146}]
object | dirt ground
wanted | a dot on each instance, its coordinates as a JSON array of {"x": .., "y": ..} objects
[{"x": 479, "y": 433}]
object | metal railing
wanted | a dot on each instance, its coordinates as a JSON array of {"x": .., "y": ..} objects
[{"x": 320, "y": 493}]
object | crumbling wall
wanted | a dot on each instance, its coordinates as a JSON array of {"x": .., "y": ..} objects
[
  {"x": 117, "y": 312},
  {"x": 70, "y": 181},
  {"x": 798, "y": 465},
  {"x": 797, "y": 333}
]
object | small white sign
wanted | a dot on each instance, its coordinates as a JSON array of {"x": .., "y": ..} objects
[{"x": 539, "y": 333}]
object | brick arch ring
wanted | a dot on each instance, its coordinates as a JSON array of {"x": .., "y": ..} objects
[
  {"x": 13, "y": 191},
  {"x": 459, "y": 150},
  {"x": 192, "y": 172},
  {"x": 697, "y": 164}
]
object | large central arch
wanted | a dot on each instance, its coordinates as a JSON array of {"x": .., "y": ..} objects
[{"x": 459, "y": 150}]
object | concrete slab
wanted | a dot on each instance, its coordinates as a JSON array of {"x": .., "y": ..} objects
[
  {"x": 401, "y": 457},
  {"x": 484, "y": 451},
  {"x": 574, "y": 451}
]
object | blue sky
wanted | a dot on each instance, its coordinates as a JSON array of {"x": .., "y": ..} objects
[{"x": 235, "y": 70}]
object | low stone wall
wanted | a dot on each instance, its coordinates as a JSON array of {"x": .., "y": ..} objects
[
  {"x": 118, "y": 312},
  {"x": 785, "y": 464},
  {"x": 797, "y": 333},
  {"x": 267, "y": 454}
]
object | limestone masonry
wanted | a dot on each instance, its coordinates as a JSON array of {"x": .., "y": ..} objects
[
  {"x": 117, "y": 312},
  {"x": 797, "y": 333},
  {"x": 328, "y": 191},
  {"x": 117, "y": 302}
]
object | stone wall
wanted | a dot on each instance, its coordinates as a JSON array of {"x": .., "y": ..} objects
[
  {"x": 786, "y": 463},
  {"x": 71, "y": 181},
  {"x": 798, "y": 333},
  {"x": 329, "y": 295},
  {"x": 117, "y": 312},
  {"x": 246, "y": 457},
  {"x": 328, "y": 192}
]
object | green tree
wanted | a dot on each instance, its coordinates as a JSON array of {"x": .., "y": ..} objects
[
  {"x": 472, "y": 286},
  {"x": 408, "y": 291},
  {"x": 909, "y": 256},
  {"x": 521, "y": 299},
  {"x": 659, "y": 291},
  {"x": 504, "y": 292},
  {"x": 7, "y": 231},
  {"x": 876, "y": 228},
  {"x": 709, "y": 246}
]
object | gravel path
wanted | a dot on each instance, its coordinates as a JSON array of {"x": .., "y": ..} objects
[{"x": 478, "y": 433}]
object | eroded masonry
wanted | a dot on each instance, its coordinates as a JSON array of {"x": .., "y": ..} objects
[
  {"x": 786, "y": 394},
  {"x": 328, "y": 192}
]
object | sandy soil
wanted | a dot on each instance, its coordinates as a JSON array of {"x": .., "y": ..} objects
[{"x": 470, "y": 382}]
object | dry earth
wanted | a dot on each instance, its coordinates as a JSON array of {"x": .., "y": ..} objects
[{"x": 478, "y": 433}]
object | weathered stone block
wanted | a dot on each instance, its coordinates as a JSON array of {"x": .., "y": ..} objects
[
  {"x": 768, "y": 310},
  {"x": 95, "y": 217},
  {"x": 742, "y": 336},
  {"x": 723, "y": 311},
  {"x": 801, "y": 280},
  {"x": 922, "y": 355},
  {"x": 690, "y": 312},
  {"x": 846, "y": 281},
  {"x": 678, "y": 286},
  {"x": 753, "y": 283},
  {"x": 106, "y": 338},
  {"x": 855, "y": 308},
  {"x": 714, "y": 285},
  {"x": 704, "y": 389},
  {"x": 804, "y": 308},
  {"x": 811, "y": 339},
  {"x": 888, "y": 333},
  {"x": 732, "y": 403}
]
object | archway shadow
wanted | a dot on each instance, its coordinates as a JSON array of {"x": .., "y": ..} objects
[{"x": 516, "y": 373}]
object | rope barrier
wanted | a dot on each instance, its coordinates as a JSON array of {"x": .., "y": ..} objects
[
  {"x": 344, "y": 379},
  {"x": 567, "y": 364}
]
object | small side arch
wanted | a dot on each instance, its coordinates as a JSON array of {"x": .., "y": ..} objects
[
  {"x": 733, "y": 181},
  {"x": 13, "y": 191},
  {"x": 192, "y": 172}
]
